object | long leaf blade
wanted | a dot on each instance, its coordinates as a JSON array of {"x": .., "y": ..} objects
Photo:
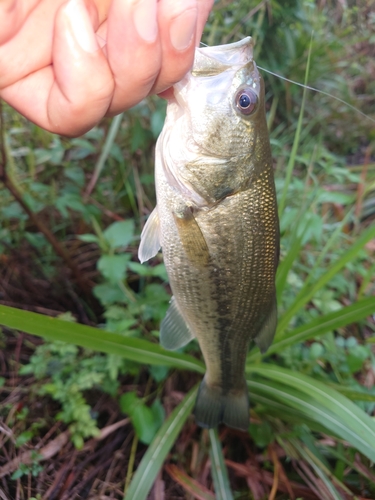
[
  {"x": 218, "y": 468},
  {"x": 138, "y": 350},
  {"x": 315, "y": 398},
  {"x": 156, "y": 453},
  {"x": 308, "y": 412}
]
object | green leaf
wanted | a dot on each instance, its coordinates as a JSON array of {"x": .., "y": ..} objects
[
  {"x": 18, "y": 473},
  {"x": 128, "y": 402},
  {"x": 321, "y": 403},
  {"x": 109, "y": 293},
  {"x": 89, "y": 238},
  {"x": 158, "y": 450},
  {"x": 146, "y": 421},
  {"x": 119, "y": 234},
  {"x": 113, "y": 267},
  {"x": 24, "y": 438},
  {"x": 129, "y": 348},
  {"x": 262, "y": 434},
  {"x": 218, "y": 468}
]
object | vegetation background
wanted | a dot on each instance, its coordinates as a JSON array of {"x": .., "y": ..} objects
[{"x": 107, "y": 415}]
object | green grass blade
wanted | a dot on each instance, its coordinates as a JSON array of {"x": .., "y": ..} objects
[
  {"x": 320, "y": 326},
  {"x": 286, "y": 264},
  {"x": 309, "y": 412},
  {"x": 356, "y": 394},
  {"x": 332, "y": 240},
  {"x": 218, "y": 468},
  {"x": 110, "y": 139},
  {"x": 366, "y": 280},
  {"x": 277, "y": 402},
  {"x": 305, "y": 295},
  {"x": 320, "y": 402},
  {"x": 320, "y": 470},
  {"x": 293, "y": 154},
  {"x": 134, "y": 349},
  {"x": 154, "y": 457}
]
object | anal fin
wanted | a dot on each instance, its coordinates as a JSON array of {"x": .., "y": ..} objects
[
  {"x": 174, "y": 332},
  {"x": 150, "y": 239},
  {"x": 265, "y": 337}
]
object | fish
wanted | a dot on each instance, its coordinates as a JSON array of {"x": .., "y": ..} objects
[{"x": 216, "y": 222}]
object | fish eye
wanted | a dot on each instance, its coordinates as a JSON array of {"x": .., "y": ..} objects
[{"x": 246, "y": 101}]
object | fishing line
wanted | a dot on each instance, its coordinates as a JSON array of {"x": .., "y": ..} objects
[
  {"x": 314, "y": 90},
  {"x": 319, "y": 91}
]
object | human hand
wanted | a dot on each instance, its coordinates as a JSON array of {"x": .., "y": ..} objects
[{"x": 65, "y": 65}]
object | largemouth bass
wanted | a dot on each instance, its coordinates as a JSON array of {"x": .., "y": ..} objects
[{"x": 216, "y": 222}]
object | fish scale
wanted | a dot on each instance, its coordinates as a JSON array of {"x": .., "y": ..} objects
[{"x": 216, "y": 222}]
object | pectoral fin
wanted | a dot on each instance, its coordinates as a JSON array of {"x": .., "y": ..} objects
[
  {"x": 191, "y": 236},
  {"x": 174, "y": 332},
  {"x": 150, "y": 239},
  {"x": 265, "y": 337}
]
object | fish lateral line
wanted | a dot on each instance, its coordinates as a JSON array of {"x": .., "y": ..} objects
[{"x": 319, "y": 91}]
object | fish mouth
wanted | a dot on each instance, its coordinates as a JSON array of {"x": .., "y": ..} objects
[{"x": 210, "y": 61}]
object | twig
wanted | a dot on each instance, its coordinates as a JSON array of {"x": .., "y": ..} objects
[
  {"x": 129, "y": 472},
  {"x": 275, "y": 484},
  {"x": 45, "y": 453},
  {"x": 2, "y": 495},
  {"x": 53, "y": 447}
]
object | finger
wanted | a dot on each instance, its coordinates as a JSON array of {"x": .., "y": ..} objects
[
  {"x": 31, "y": 49},
  {"x": 204, "y": 9},
  {"x": 72, "y": 95},
  {"x": 12, "y": 15},
  {"x": 177, "y": 26},
  {"x": 133, "y": 51}
]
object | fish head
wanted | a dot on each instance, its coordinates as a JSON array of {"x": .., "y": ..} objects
[
  {"x": 218, "y": 109},
  {"x": 222, "y": 98}
]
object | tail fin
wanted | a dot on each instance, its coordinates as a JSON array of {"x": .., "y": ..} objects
[{"x": 213, "y": 407}]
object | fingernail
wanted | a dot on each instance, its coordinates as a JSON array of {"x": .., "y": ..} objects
[
  {"x": 145, "y": 19},
  {"x": 80, "y": 25},
  {"x": 182, "y": 29}
]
